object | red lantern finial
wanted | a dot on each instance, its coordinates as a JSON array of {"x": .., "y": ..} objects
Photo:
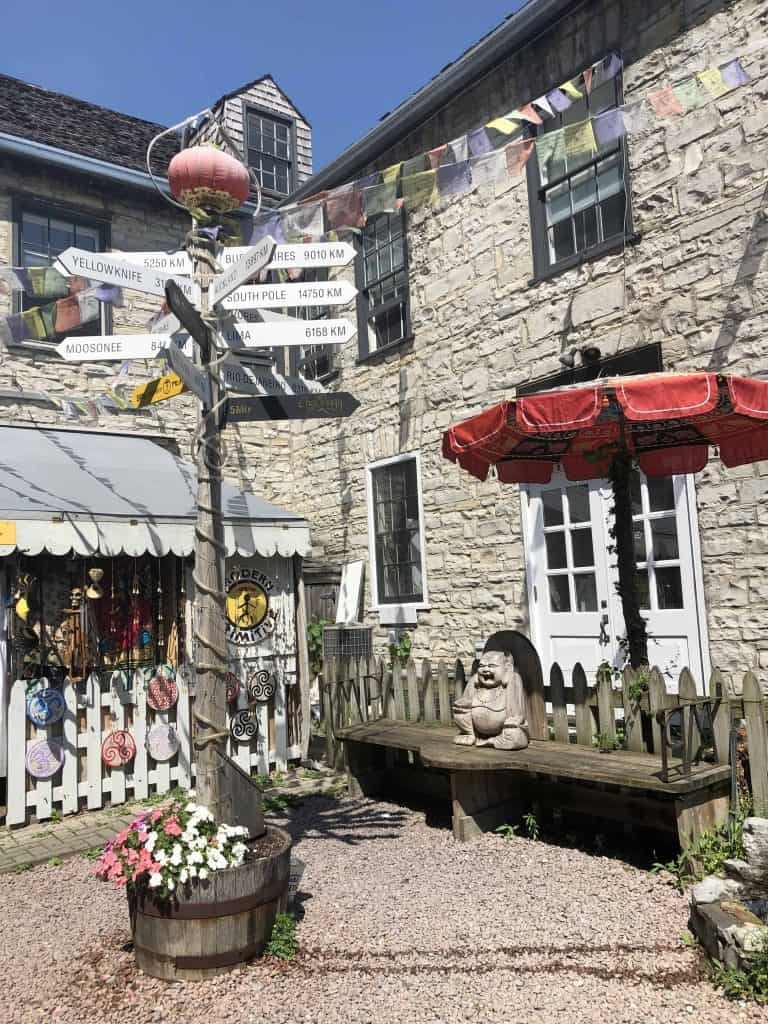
[{"x": 206, "y": 178}]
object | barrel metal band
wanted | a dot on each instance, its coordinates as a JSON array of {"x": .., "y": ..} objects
[
  {"x": 202, "y": 963},
  {"x": 224, "y": 908}
]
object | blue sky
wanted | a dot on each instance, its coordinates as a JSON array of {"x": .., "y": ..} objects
[{"x": 344, "y": 63}]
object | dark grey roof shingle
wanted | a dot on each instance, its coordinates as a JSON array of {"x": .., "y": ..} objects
[{"x": 53, "y": 119}]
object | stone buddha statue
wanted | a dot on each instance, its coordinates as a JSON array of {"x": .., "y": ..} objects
[{"x": 492, "y": 710}]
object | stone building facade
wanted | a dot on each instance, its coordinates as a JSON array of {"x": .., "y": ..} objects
[
  {"x": 685, "y": 284},
  {"x": 69, "y": 166}
]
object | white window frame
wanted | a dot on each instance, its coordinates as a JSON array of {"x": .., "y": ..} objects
[{"x": 422, "y": 605}]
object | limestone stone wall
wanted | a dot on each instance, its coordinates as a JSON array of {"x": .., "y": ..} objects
[{"x": 696, "y": 281}]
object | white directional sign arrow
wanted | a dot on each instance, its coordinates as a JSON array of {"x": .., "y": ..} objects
[
  {"x": 254, "y": 260},
  {"x": 290, "y": 332},
  {"x": 113, "y": 347},
  {"x": 276, "y": 296},
  {"x": 99, "y": 266},
  {"x": 253, "y": 380},
  {"x": 197, "y": 381},
  {"x": 294, "y": 255}
]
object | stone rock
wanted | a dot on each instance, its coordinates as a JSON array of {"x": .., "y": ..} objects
[
  {"x": 755, "y": 839},
  {"x": 713, "y": 889},
  {"x": 751, "y": 939},
  {"x": 740, "y": 912}
]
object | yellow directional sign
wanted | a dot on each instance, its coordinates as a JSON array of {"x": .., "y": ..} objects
[{"x": 157, "y": 390}]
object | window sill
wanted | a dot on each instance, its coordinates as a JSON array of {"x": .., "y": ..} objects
[
  {"x": 587, "y": 256},
  {"x": 371, "y": 357}
]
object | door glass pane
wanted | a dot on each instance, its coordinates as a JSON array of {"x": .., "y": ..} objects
[
  {"x": 578, "y": 504},
  {"x": 669, "y": 588},
  {"x": 559, "y": 597},
  {"x": 581, "y": 545},
  {"x": 643, "y": 588},
  {"x": 586, "y": 592},
  {"x": 664, "y": 536},
  {"x": 553, "y": 508},
  {"x": 638, "y": 532},
  {"x": 661, "y": 494},
  {"x": 556, "y": 551}
]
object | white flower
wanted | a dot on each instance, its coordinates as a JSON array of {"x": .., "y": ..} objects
[
  {"x": 191, "y": 792},
  {"x": 195, "y": 858},
  {"x": 171, "y": 884},
  {"x": 192, "y": 871},
  {"x": 183, "y": 875},
  {"x": 149, "y": 842},
  {"x": 192, "y": 808},
  {"x": 161, "y": 857},
  {"x": 176, "y": 856},
  {"x": 188, "y": 836},
  {"x": 155, "y": 881},
  {"x": 203, "y": 873}
]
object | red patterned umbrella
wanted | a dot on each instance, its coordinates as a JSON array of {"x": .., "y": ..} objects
[{"x": 667, "y": 422}]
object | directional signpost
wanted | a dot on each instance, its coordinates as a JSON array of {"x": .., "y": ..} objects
[
  {"x": 289, "y": 332},
  {"x": 252, "y": 261},
  {"x": 196, "y": 380},
  {"x": 114, "y": 347},
  {"x": 168, "y": 386},
  {"x": 291, "y": 256},
  {"x": 99, "y": 266},
  {"x": 254, "y": 380},
  {"x": 329, "y": 405},
  {"x": 276, "y": 296}
]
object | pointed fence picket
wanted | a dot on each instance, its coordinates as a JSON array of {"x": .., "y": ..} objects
[{"x": 115, "y": 700}]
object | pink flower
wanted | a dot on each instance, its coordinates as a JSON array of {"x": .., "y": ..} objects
[
  {"x": 155, "y": 867},
  {"x": 172, "y": 827},
  {"x": 133, "y": 857},
  {"x": 156, "y": 815},
  {"x": 121, "y": 880},
  {"x": 121, "y": 837}
]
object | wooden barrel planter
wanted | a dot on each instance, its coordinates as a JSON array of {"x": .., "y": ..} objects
[{"x": 218, "y": 924}]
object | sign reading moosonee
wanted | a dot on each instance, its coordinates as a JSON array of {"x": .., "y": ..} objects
[
  {"x": 238, "y": 333},
  {"x": 113, "y": 347}
]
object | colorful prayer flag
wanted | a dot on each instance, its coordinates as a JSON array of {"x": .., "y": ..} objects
[
  {"x": 517, "y": 154},
  {"x": 503, "y": 125},
  {"x": 635, "y": 117},
  {"x": 47, "y": 282},
  {"x": 380, "y": 199},
  {"x": 489, "y": 168},
  {"x": 665, "y": 103},
  {"x": 437, "y": 156},
  {"x": 89, "y": 307},
  {"x": 267, "y": 224},
  {"x": 713, "y": 81},
  {"x": 609, "y": 126},
  {"x": 588, "y": 80},
  {"x": 67, "y": 315},
  {"x": 529, "y": 113},
  {"x": 344, "y": 208},
  {"x": 479, "y": 143},
  {"x": 415, "y": 165},
  {"x": 460, "y": 149},
  {"x": 570, "y": 90},
  {"x": 454, "y": 179},
  {"x": 579, "y": 140},
  {"x": 302, "y": 223},
  {"x": 558, "y": 100},
  {"x": 543, "y": 104},
  {"x": 690, "y": 94},
  {"x": 734, "y": 74},
  {"x": 550, "y": 148},
  {"x": 109, "y": 293},
  {"x": 419, "y": 188},
  {"x": 390, "y": 174}
]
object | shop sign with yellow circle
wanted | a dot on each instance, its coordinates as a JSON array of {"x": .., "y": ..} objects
[{"x": 249, "y": 617}]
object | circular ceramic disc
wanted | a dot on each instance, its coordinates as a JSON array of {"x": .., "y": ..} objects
[
  {"x": 261, "y": 685},
  {"x": 162, "y": 742},
  {"x": 45, "y": 706},
  {"x": 118, "y": 748},
  {"x": 44, "y": 758},
  {"x": 233, "y": 687},
  {"x": 243, "y": 726},
  {"x": 162, "y": 693}
]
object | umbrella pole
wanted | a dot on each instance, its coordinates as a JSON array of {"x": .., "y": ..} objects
[{"x": 629, "y": 584}]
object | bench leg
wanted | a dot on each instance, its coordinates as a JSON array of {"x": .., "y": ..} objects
[
  {"x": 482, "y": 801},
  {"x": 366, "y": 766},
  {"x": 700, "y": 812}
]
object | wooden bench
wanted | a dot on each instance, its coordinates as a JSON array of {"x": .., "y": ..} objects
[{"x": 392, "y": 728}]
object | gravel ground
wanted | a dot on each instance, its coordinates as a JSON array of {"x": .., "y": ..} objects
[{"x": 399, "y": 924}]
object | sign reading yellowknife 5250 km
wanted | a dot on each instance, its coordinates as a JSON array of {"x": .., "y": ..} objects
[{"x": 157, "y": 390}]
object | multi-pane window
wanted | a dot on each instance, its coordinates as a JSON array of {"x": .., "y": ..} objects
[
  {"x": 42, "y": 237},
  {"x": 570, "y": 555},
  {"x": 657, "y": 550},
  {"x": 270, "y": 151},
  {"x": 396, "y": 528},
  {"x": 383, "y": 313},
  {"x": 578, "y": 202}
]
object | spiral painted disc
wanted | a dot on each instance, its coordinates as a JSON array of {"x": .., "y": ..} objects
[
  {"x": 162, "y": 742},
  {"x": 261, "y": 685},
  {"x": 162, "y": 693},
  {"x": 243, "y": 726},
  {"x": 45, "y": 706},
  {"x": 233, "y": 687},
  {"x": 118, "y": 748},
  {"x": 44, "y": 758}
]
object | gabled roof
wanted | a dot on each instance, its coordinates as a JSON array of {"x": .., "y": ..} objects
[
  {"x": 250, "y": 85},
  {"x": 53, "y": 119}
]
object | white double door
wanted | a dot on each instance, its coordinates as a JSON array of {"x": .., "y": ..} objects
[{"x": 572, "y": 575}]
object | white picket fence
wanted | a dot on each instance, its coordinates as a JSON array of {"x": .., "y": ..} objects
[{"x": 112, "y": 701}]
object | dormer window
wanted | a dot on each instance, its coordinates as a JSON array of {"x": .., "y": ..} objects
[{"x": 270, "y": 151}]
